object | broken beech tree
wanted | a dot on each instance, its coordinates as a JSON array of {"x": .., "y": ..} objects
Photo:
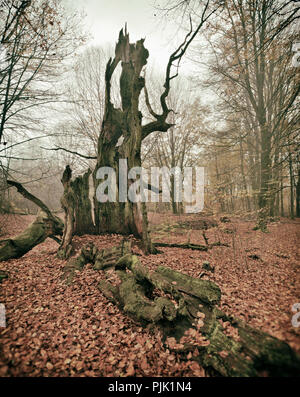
[
  {"x": 185, "y": 309},
  {"x": 122, "y": 133},
  {"x": 45, "y": 225}
]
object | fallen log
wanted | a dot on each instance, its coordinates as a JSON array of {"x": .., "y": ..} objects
[
  {"x": 195, "y": 247},
  {"x": 37, "y": 232},
  {"x": 102, "y": 259},
  {"x": 45, "y": 225},
  {"x": 185, "y": 309},
  {"x": 3, "y": 275}
]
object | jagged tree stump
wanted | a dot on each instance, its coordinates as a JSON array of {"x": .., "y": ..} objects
[
  {"x": 185, "y": 309},
  {"x": 77, "y": 208}
]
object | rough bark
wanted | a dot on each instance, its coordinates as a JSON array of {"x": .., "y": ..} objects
[
  {"x": 185, "y": 309},
  {"x": 30, "y": 197},
  {"x": 83, "y": 209},
  {"x": 195, "y": 247},
  {"x": 37, "y": 232},
  {"x": 77, "y": 208},
  {"x": 124, "y": 216},
  {"x": 298, "y": 193}
]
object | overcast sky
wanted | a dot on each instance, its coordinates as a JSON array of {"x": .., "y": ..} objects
[{"x": 105, "y": 18}]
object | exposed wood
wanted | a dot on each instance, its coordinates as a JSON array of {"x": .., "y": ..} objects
[
  {"x": 78, "y": 210},
  {"x": 124, "y": 216}
]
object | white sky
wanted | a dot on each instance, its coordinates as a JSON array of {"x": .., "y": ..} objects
[{"x": 105, "y": 18}]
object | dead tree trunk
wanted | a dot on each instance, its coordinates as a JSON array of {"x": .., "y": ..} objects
[
  {"x": 78, "y": 210},
  {"x": 119, "y": 144},
  {"x": 68, "y": 205},
  {"x": 45, "y": 225},
  {"x": 83, "y": 209},
  {"x": 122, "y": 216},
  {"x": 185, "y": 309}
]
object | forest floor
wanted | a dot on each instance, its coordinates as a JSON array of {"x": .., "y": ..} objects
[{"x": 54, "y": 329}]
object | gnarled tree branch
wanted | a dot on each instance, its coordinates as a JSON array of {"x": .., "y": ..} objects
[{"x": 160, "y": 124}]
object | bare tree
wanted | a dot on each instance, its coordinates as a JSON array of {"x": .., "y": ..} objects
[
  {"x": 253, "y": 75},
  {"x": 37, "y": 38}
]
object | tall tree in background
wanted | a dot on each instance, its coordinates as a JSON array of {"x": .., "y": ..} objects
[
  {"x": 253, "y": 71},
  {"x": 181, "y": 144},
  {"x": 36, "y": 38}
]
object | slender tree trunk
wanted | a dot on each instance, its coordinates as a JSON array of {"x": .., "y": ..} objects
[
  {"x": 291, "y": 186},
  {"x": 174, "y": 204},
  {"x": 265, "y": 178},
  {"x": 281, "y": 196},
  {"x": 298, "y": 194},
  {"x": 244, "y": 176},
  {"x": 274, "y": 186},
  {"x": 220, "y": 190}
]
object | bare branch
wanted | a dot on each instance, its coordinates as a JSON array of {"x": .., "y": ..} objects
[
  {"x": 176, "y": 56},
  {"x": 31, "y": 197},
  {"x": 72, "y": 152}
]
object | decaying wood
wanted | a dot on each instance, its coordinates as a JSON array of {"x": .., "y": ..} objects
[
  {"x": 185, "y": 309},
  {"x": 67, "y": 203},
  {"x": 45, "y": 225},
  {"x": 78, "y": 210},
  {"x": 3, "y": 275},
  {"x": 196, "y": 247},
  {"x": 102, "y": 259},
  {"x": 125, "y": 125},
  {"x": 37, "y": 232}
]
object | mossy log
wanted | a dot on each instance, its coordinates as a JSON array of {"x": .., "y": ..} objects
[
  {"x": 185, "y": 309},
  {"x": 45, "y": 225},
  {"x": 3, "y": 275},
  {"x": 102, "y": 259},
  {"x": 37, "y": 232}
]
